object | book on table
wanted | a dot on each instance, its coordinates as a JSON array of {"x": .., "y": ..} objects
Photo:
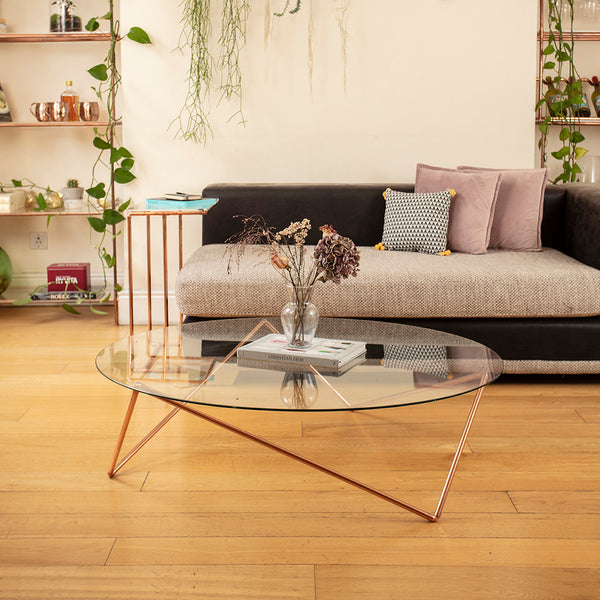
[
  {"x": 182, "y": 196},
  {"x": 328, "y": 353},
  {"x": 166, "y": 204}
]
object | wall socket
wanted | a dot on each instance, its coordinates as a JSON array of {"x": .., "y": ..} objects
[{"x": 38, "y": 240}]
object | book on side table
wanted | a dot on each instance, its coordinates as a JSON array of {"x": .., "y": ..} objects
[{"x": 327, "y": 353}]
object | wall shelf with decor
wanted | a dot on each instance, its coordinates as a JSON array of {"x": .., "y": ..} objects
[
  {"x": 543, "y": 37},
  {"x": 15, "y": 292}
]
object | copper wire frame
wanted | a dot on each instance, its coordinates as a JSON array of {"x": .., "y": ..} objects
[{"x": 116, "y": 465}]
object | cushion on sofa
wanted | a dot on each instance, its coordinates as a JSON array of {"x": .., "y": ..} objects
[
  {"x": 471, "y": 210},
  {"x": 399, "y": 284},
  {"x": 416, "y": 222},
  {"x": 517, "y": 219}
]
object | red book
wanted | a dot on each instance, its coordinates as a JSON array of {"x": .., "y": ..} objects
[{"x": 68, "y": 277}]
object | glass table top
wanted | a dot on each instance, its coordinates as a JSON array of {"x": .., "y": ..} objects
[{"x": 197, "y": 363}]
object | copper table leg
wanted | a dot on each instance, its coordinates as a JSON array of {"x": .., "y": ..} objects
[{"x": 430, "y": 516}]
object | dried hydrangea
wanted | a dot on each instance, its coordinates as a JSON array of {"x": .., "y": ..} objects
[{"x": 336, "y": 256}]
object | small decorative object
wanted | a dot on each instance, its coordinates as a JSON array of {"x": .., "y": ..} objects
[
  {"x": 299, "y": 390},
  {"x": 62, "y": 16},
  {"x": 87, "y": 111},
  {"x": 596, "y": 94},
  {"x": 72, "y": 195},
  {"x": 3, "y": 25},
  {"x": 66, "y": 277},
  {"x": 5, "y": 271},
  {"x": 590, "y": 165},
  {"x": 334, "y": 258},
  {"x": 54, "y": 200},
  {"x": 70, "y": 97},
  {"x": 31, "y": 200},
  {"x": 4, "y": 110},
  {"x": 50, "y": 111}
]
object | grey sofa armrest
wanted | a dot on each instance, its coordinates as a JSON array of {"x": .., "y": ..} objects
[{"x": 582, "y": 223}]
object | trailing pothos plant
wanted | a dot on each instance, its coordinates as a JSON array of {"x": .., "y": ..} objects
[
  {"x": 117, "y": 160},
  {"x": 564, "y": 97}
]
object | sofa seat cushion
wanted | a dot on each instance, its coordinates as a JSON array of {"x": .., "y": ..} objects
[{"x": 399, "y": 285}]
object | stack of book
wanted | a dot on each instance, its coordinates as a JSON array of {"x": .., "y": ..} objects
[
  {"x": 69, "y": 295},
  {"x": 328, "y": 356},
  {"x": 180, "y": 201}
]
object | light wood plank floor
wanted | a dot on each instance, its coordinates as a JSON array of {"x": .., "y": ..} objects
[{"x": 200, "y": 513}]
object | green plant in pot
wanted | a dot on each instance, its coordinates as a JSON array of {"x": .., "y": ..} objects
[
  {"x": 72, "y": 195},
  {"x": 5, "y": 271},
  {"x": 62, "y": 17}
]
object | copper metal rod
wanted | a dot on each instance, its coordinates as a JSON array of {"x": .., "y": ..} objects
[
  {"x": 458, "y": 453},
  {"x": 149, "y": 270},
  {"x": 141, "y": 443},
  {"x": 180, "y": 220},
  {"x": 130, "y": 274},
  {"x": 126, "y": 420},
  {"x": 165, "y": 272}
]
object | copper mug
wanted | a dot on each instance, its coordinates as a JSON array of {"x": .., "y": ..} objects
[
  {"x": 50, "y": 111},
  {"x": 87, "y": 111}
]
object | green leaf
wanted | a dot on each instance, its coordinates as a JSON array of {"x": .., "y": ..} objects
[
  {"x": 124, "y": 206},
  {"x": 97, "y": 224},
  {"x": 125, "y": 153},
  {"x": 17, "y": 183},
  {"x": 115, "y": 156},
  {"x": 97, "y": 311},
  {"x": 548, "y": 50},
  {"x": 544, "y": 128},
  {"x": 579, "y": 152},
  {"x": 137, "y": 34},
  {"x": 41, "y": 201},
  {"x": 101, "y": 144},
  {"x": 22, "y": 301},
  {"x": 562, "y": 56},
  {"x": 99, "y": 72},
  {"x": 564, "y": 134},
  {"x": 123, "y": 176},
  {"x": 118, "y": 288},
  {"x": 97, "y": 191},
  {"x": 127, "y": 164},
  {"x": 576, "y": 168},
  {"x": 108, "y": 259},
  {"x": 92, "y": 24},
  {"x": 107, "y": 16},
  {"x": 111, "y": 216},
  {"x": 70, "y": 309},
  {"x": 549, "y": 65},
  {"x": 560, "y": 154},
  {"x": 577, "y": 137}
]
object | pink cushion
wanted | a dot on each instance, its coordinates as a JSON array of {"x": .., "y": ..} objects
[
  {"x": 471, "y": 210},
  {"x": 517, "y": 222}
]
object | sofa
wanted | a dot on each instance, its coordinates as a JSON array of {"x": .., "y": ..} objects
[{"x": 540, "y": 311}]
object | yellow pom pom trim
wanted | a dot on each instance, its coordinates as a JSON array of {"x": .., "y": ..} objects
[
  {"x": 452, "y": 192},
  {"x": 445, "y": 253},
  {"x": 379, "y": 246},
  {"x": 384, "y": 193}
]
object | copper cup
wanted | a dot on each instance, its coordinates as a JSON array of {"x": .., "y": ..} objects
[
  {"x": 87, "y": 111},
  {"x": 50, "y": 111}
]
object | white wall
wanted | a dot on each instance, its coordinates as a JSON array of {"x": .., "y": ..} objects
[{"x": 437, "y": 81}]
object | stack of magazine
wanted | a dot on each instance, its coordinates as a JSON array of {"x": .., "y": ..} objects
[
  {"x": 328, "y": 356},
  {"x": 69, "y": 295}
]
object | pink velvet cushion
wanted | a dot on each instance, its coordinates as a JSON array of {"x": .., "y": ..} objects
[
  {"x": 517, "y": 222},
  {"x": 471, "y": 210}
]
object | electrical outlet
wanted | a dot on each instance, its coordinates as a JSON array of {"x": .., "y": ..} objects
[{"x": 38, "y": 240}]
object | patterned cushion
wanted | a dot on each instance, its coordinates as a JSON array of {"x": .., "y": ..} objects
[{"x": 416, "y": 222}]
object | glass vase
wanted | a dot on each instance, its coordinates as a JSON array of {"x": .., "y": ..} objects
[
  {"x": 299, "y": 390},
  {"x": 62, "y": 16},
  {"x": 299, "y": 317}
]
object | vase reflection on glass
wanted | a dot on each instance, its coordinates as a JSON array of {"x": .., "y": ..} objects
[
  {"x": 299, "y": 317},
  {"x": 299, "y": 390}
]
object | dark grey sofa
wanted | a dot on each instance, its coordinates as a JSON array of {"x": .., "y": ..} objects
[{"x": 539, "y": 310}]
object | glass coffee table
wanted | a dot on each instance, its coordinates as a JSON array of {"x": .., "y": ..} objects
[{"x": 196, "y": 365}]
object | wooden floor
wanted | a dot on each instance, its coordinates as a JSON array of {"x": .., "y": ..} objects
[{"x": 200, "y": 513}]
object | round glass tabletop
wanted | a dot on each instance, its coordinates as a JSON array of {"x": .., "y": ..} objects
[{"x": 198, "y": 363}]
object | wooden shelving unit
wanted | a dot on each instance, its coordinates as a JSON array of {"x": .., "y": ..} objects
[{"x": 14, "y": 293}]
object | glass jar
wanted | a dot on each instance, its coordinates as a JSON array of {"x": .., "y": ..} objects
[
  {"x": 62, "y": 16},
  {"x": 299, "y": 317}
]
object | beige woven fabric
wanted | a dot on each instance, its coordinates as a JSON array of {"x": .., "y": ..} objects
[
  {"x": 552, "y": 367},
  {"x": 399, "y": 284}
]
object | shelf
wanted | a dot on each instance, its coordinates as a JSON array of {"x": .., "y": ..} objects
[
  {"x": 578, "y": 36},
  {"x": 57, "y": 124},
  {"x": 11, "y": 38},
  {"x": 584, "y": 121},
  {"x": 49, "y": 213}
]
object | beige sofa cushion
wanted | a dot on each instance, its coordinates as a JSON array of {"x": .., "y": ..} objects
[{"x": 399, "y": 284}]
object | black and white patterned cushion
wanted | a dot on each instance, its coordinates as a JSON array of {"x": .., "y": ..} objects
[
  {"x": 421, "y": 359},
  {"x": 416, "y": 222}
]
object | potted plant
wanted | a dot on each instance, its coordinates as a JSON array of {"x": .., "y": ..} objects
[
  {"x": 62, "y": 17},
  {"x": 72, "y": 195}
]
